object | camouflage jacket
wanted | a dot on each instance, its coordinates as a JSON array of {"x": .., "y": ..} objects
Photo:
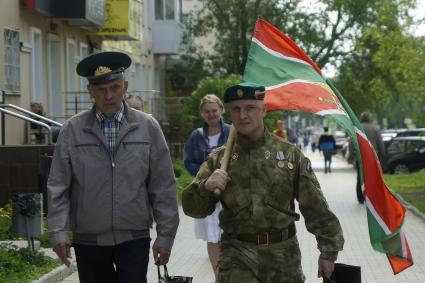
[{"x": 266, "y": 176}]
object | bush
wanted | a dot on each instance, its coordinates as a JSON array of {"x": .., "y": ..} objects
[
  {"x": 23, "y": 265},
  {"x": 6, "y": 222}
]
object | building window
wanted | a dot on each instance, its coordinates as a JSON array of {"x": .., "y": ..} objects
[
  {"x": 12, "y": 60},
  {"x": 164, "y": 10}
]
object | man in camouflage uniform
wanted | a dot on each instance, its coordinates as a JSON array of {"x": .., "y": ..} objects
[{"x": 265, "y": 175}]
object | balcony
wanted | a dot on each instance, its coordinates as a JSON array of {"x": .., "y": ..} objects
[
  {"x": 167, "y": 36},
  {"x": 87, "y": 14}
]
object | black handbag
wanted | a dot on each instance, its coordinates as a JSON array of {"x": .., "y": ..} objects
[
  {"x": 172, "y": 279},
  {"x": 344, "y": 273}
]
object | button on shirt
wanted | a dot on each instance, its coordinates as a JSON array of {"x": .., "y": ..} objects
[{"x": 110, "y": 126}]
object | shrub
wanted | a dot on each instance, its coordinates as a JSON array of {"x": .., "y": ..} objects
[
  {"x": 5, "y": 222},
  {"x": 23, "y": 265}
]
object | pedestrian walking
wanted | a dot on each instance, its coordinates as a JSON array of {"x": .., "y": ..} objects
[
  {"x": 201, "y": 143},
  {"x": 327, "y": 146},
  {"x": 266, "y": 175},
  {"x": 280, "y": 130},
  {"x": 111, "y": 167}
]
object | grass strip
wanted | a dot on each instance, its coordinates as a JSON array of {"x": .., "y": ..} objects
[{"x": 410, "y": 186}]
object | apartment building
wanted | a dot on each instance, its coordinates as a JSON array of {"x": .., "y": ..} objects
[{"x": 43, "y": 40}]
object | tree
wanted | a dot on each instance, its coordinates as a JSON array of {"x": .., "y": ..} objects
[
  {"x": 190, "y": 117},
  {"x": 385, "y": 73},
  {"x": 327, "y": 33}
]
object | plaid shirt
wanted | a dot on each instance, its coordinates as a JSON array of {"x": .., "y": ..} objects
[{"x": 110, "y": 126}]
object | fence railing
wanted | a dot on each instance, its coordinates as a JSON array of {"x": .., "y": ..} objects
[{"x": 77, "y": 101}]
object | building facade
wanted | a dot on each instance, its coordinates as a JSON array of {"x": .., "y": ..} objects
[{"x": 42, "y": 41}]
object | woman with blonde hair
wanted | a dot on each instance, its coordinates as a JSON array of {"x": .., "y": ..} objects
[{"x": 201, "y": 142}]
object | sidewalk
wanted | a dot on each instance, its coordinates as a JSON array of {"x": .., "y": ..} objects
[{"x": 189, "y": 256}]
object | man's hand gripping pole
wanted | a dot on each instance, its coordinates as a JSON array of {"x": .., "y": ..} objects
[{"x": 227, "y": 154}]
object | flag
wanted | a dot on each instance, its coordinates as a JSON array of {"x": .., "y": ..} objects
[{"x": 294, "y": 82}]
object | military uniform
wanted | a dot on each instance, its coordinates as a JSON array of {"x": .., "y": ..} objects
[{"x": 266, "y": 175}]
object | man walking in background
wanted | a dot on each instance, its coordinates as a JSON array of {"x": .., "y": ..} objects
[{"x": 327, "y": 146}]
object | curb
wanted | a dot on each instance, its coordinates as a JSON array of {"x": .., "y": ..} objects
[
  {"x": 58, "y": 274},
  {"x": 410, "y": 207}
]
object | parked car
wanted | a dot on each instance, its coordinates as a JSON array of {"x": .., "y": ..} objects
[
  {"x": 340, "y": 139},
  {"x": 388, "y": 134},
  {"x": 411, "y": 132},
  {"x": 405, "y": 154}
]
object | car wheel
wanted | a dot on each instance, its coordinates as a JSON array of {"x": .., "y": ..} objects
[{"x": 401, "y": 168}]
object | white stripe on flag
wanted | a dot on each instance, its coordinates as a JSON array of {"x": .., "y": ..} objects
[
  {"x": 403, "y": 243},
  {"x": 289, "y": 82},
  {"x": 377, "y": 217},
  {"x": 331, "y": 112},
  {"x": 277, "y": 54}
]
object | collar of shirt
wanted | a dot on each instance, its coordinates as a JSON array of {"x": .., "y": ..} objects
[
  {"x": 110, "y": 126},
  {"x": 118, "y": 116}
]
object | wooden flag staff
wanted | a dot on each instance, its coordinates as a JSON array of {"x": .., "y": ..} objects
[{"x": 227, "y": 154}]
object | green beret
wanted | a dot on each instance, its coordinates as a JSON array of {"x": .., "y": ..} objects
[
  {"x": 244, "y": 91},
  {"x": 103, "y": 67}
]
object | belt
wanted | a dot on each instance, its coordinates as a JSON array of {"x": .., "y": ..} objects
[{"x": 266, "y": 238}]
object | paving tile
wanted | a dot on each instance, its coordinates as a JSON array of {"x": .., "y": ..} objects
[{"x": 189, "y": 255}]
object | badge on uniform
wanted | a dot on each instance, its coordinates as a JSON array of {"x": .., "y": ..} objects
[
  {"x": 290, "y": 165},
  {"x": 281, "y": 164},
  {"x": 280, "y": 155},
  {"x": 235, "y": 156},
  {"x": 267, "y": 154}
]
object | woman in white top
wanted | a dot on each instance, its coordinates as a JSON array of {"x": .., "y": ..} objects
[{"x": 201, "y": 142}]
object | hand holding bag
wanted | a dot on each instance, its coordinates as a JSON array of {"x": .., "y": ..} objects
[
  {"x": 172, "y": 279},
  {"x": 345, "y": 273}
]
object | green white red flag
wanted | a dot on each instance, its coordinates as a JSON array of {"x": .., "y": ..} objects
[{"x": 294, "y": 82}]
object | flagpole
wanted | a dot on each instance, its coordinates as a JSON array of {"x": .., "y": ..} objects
[{"x": 227, "y": 153}]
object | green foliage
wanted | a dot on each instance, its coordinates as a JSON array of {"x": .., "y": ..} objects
[
  {"x": 182, "y": 175},
  {"x": 23, "y": 265},
  {"x": 190, "y": 117},
  {"x": 386, "y": 70},
  {"x": 410, "y": 186},
  {"x": 5, "y": 222},
  {"x": 327, "y": 34}
]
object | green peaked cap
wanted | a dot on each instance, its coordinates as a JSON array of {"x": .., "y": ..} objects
[
  {"x": 245, "y": 90},
  {"x": 103, "y": 67}
]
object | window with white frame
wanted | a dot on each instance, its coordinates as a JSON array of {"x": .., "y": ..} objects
[
  {"x": 12, "y": 60},
  {"x": 165, "y": 9}
]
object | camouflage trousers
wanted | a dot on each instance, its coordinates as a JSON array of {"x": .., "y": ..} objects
[{"x": 250, "y": 263}]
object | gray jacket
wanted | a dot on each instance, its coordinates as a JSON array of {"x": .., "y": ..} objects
[{"x": 106, "y": 198}]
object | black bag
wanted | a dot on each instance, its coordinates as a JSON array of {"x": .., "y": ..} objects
[
  {"x": 345, "y": 273},
  {"x": 172, "y": 279}
]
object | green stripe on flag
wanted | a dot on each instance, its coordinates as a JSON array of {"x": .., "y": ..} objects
[{"x": 269, "y": 70}]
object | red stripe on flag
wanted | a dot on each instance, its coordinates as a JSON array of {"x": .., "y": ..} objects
[
  {"x": 307, "y": 97},
  {"x": 276, "y": 40},
  {"x": 385, "y": 203}
]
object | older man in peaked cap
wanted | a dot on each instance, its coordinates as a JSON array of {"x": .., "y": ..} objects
[
  {"x": 111, "y": 168},
  {"x": 266, "y": 174}
]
